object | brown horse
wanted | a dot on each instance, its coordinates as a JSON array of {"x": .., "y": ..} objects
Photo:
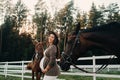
[
  {"x": 34, "y": 65},
  {"x": 105, "y": 37}
]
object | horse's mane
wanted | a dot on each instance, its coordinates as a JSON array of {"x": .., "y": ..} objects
[
  {"x": 106, "y": 27},
  {"x": 106, "y": 34}
]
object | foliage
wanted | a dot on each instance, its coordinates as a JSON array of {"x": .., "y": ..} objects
[
  {"x": 40, "y": 18},
  {"x": 64, "y": 18},
  {"x": 82, "y": 18},
  {"x": 15, "y": 46},
  {"x": 113, "y": 12},
  {"x": 20, "y": 13},
  {"x": 94, "y": 16}
]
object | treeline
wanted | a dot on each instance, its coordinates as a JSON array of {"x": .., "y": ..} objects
[{"x": 16, "y": 46}]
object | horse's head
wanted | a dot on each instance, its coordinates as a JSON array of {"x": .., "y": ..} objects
[
  {"x": 36, "y": 59},
  {"x": 39, "y": 47},
  {"x": 71, "y": 53},
  {"x": 102, "y": 37}
]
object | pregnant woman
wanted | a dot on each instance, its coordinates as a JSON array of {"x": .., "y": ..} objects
[{"x": 48, "y": 63}]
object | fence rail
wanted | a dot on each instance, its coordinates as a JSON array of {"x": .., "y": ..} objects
[{"x": 18, "y": 68}]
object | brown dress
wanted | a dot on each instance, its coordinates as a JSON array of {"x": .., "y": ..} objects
[{"x": 50, "y": 60}]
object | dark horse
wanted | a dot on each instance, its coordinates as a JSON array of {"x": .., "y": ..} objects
[
  {"x": 105, "y": 37},
  {"x": 34, "y": 65}
]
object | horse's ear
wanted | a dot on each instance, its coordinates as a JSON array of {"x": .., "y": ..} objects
[
  {"x": 35, "y": 42},
  {"x": 77, "y": 27}
]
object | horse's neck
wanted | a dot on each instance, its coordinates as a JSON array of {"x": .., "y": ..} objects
[{"x": 102, "y": 38}]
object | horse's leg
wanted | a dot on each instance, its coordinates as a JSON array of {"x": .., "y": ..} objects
[
  {"x": 32, "y": 75},
  {"x": 37, "y": 76}
]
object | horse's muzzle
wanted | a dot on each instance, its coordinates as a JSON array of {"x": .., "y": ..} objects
[{"x": 64, "y": 66}]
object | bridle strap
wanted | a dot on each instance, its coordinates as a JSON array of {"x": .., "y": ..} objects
[
  {"x": 69, "y": 56},
  {"x": 81, "y": 69},
  {"x": 36, "y": 56},
  {"x": 102, "y": 67},
  {"x": 77, "y": 37}
]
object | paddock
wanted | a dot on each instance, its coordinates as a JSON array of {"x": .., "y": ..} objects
[{"x": 18, "y": 69}]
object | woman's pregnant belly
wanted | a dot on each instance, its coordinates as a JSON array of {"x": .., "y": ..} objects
[{"x": 41, "y": 63}]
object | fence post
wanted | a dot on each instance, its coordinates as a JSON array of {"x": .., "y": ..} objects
[
  {"x": 22, "y": 70},
  {"x": 108, "y": 69},
  {"x": 118, "y": 68},
  {"x": 94, "y": 63},
  {"x": 5, "y": 69}
]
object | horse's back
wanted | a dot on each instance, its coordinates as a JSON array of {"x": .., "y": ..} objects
[{"x": 107, "y": 34}]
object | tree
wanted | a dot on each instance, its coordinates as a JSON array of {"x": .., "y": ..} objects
[
  {"x": 65, "y": 19},
  {"x": 82, "y": 18},
  {"x": 40, "y": 18},
  {"x": 2, "y": 11},
  {"x": 20, "y": 13},
  {"x": 94, "y": 16},
  {"x": 5, "y": 10},
  {"x": 1, "y": 22},
  {"x": 113, "y": 12},
  {"x": 14, "y": 46},
  {"x": 102, "y": 19}
]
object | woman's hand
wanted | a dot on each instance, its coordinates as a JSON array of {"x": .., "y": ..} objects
[{"x": 45, "y": 70}]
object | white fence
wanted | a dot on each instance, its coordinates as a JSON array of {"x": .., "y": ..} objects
[
  {"x": 18, "y": 69},
  {"x": 94, "y": 67}
]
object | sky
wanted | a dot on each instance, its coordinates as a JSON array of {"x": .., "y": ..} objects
[
  {"x": 83, "y": 5},
  {"x": 86, "y": 4}
]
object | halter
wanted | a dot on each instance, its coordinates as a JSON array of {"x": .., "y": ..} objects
[
  {"x": 68, "y": 57},
  {"x": 36, "y": 56},
  {"x": 76, "y": 40}
]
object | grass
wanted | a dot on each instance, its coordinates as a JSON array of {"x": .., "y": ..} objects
[
  {"x": 72, "y": 77},
  {"x": 9, "y": 78},
  {"x": 66, "y": 77},
  {"x": 62, "y": 77},
  {"x": 69, "y": 77}
]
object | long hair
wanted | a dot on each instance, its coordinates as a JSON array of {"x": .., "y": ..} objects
[{"x": 55, "y": 42}]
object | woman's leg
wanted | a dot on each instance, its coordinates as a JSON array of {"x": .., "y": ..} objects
[{"x": 49, "y": 77}]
